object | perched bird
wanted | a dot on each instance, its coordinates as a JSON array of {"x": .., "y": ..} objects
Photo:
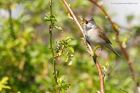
[{"x": 96, "y": 36}]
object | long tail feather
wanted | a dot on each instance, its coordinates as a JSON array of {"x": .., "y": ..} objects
[{"x": 110, "y": 47}]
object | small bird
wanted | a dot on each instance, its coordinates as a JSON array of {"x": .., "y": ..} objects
[{"x": 95, "y": 35}]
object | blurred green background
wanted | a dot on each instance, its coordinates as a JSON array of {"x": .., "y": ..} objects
[{"x": 26, "y": 58}]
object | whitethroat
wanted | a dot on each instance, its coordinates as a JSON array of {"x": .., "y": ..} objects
[{"x": 95, "y": 36}]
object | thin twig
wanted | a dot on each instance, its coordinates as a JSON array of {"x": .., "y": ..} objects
[
  {"x": 89, "y": 47},
  {"x": 124, "y": 51},
  {"x": 101, "y": 76},
  {"x": 51, "y": 26}
]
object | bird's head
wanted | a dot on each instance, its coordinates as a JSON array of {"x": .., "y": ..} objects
[{"x": 89, "y": 23}]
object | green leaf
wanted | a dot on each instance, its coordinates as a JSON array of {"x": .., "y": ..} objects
[{"x": 3, "y": 83}]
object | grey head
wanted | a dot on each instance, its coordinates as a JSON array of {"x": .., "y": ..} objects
[{"x": 89, "y": 24}]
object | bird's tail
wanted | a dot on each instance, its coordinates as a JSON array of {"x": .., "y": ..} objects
[{"x": 110, "y": 47}]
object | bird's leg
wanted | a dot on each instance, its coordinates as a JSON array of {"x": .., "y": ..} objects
[{"x": 101, "y": 48}]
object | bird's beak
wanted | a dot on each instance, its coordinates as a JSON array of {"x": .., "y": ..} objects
[{"x": 85, "y": 21}]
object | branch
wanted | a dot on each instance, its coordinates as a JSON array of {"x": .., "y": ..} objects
[
  {"x": 51, "y": 26},
  {"x": 124, "y": 51},
  {"x": 89, "y": 48},
  {"x": 100, "y": 73}
]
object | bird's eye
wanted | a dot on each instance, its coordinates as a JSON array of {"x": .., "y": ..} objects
[{"x": 86, "y": 21}]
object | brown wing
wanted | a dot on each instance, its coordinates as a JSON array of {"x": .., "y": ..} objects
[{"x": 103, "y": 35}]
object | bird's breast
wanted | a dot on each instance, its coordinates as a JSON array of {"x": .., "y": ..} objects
[{"x": 93, "y": 36}]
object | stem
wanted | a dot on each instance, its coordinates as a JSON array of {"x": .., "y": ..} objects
[
  {"x": 11, "y": 22},
  {"x": 73, "y": 16},
  {"x": 124, "y": 51},
  {"x": 102, "y": 90},
  {"x": 89, "y": 47},
  {"x": 51, "y": 47},
  {"x": 51, "y": 26}
]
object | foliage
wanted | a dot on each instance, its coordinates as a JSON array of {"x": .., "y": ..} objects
[
  {"x": 26, "y": 61},
  {"x": 3, "y": 83}
]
